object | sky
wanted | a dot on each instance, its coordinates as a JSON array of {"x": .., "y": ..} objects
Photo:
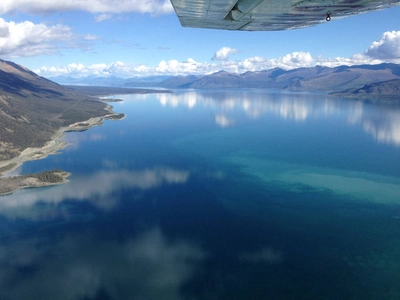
[{"x": 140, "y": 38}]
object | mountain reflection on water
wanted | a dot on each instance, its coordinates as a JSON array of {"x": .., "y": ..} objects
[
  {"x": 382, "y": 123},
  {"x": 242, "y": 194}
]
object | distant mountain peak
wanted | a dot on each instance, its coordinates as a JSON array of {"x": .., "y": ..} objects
[
  {"x": 318, "y": 78},
  {"x": 222, "y": 72}
]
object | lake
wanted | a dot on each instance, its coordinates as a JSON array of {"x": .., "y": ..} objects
[{"x": 227, "y": 194}]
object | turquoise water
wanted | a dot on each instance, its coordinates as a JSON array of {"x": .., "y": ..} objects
[{"x": 241, "y": 194}]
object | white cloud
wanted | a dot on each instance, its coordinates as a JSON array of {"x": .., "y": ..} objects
[
  {"x": 126, "y": 70},
  {"x": 223, "y": 53},
  {"x": 102, "y": 17},
  {"x": 191, "y": 67},
  {"x": 289, "y": 61},
  {"x": 29, "y": 39},
  {"x": 388, "y": 47},
  {"x": 81, "y": 70},
  {"x": 153, "y": 7},
  {"x": 296, "y": 60},
  {"x": 176, "y": 67},
  {"x": 91, "y": 37},
  {"x": 4, "y": 29},
  {"x": 356, "y": 59}
]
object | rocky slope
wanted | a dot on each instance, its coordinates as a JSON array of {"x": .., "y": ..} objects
[
  {"x": 33, "y": 108},
  {"x": 384, "y": 91}
]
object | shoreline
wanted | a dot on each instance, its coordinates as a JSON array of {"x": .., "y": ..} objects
[
  {"x": 9, "y": 185},
  {"x": 56, "y": 143}
]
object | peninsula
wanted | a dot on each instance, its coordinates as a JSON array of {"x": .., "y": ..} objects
[
  {"x": 12, "y": 183},
  {"x": 384, "y": 92}
]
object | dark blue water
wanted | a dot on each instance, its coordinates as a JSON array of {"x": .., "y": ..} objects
[{"x": 215, "y": 195}]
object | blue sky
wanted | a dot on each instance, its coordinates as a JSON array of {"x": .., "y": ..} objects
[{"x": 131, "y": 38}]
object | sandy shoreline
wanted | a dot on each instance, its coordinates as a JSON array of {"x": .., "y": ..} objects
[{"x": 56, "y": 143}]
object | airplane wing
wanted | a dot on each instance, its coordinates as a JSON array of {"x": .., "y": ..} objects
[{"x": 269, "y": 15}]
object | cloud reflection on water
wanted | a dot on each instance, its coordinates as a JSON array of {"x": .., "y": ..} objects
[
  {"x": 81, "y": 266},
  {"x": 383, "y": 125},
  {"x": 388, "y": 133},
  {"x": 379, "y": 121},
  {"x": 96, "y": 188},
  {"x": 254, "y": 104},
  {"x": 75, "y": 140},
  {"x": 223, "y": 121}
]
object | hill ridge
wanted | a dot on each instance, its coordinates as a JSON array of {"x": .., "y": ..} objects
[{"x": 33, "y": 108}]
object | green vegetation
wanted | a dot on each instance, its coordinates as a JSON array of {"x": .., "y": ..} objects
[
  {"x": 116, "y": 117},
  {"x": 53, "y": 176}
]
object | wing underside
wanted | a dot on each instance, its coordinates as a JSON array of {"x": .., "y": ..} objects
[{"x": 269, "y": 14}]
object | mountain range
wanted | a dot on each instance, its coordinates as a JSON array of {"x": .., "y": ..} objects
[
  {"x": 341, "y": 80},
  {"x": 317, "y": 78}
]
